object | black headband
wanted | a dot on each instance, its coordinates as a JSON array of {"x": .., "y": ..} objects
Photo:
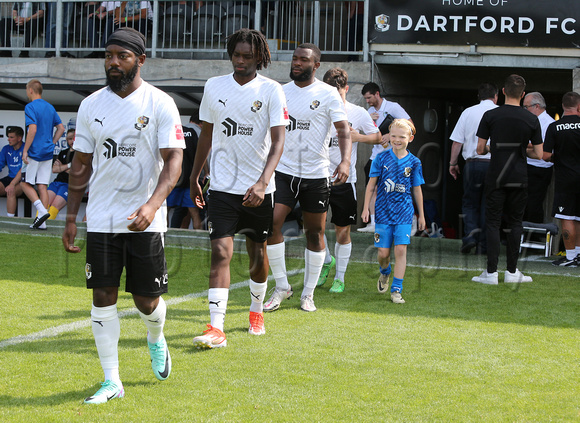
[{"x": 128, "y": 38}]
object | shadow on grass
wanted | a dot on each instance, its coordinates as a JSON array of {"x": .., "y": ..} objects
[{"x": 437, "y": 282}]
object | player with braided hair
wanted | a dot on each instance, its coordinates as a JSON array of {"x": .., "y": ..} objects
[
  {"x": 254, "y": 38},
  {"x": 243, "y": 118}
]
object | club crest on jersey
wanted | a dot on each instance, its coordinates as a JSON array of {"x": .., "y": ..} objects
[
  {"x": 256, "y": 106},
  {"x": 88, "y": 270},
  {"x": 142, "y": 122},
  {"x": 407, "y": 172},
  {"x": 377, "y": 237},
  {"x": 314, "y": 105}
]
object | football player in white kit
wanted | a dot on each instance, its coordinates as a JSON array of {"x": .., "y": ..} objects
[
  {"x": 343, "y": 197},
  {"x": 243, "y": 117},
  {"x": 129, "y": 143},
  {"x": 302, "y": 174}
]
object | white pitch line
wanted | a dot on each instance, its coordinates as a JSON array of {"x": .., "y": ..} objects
[{"x": 81, "y": 324}]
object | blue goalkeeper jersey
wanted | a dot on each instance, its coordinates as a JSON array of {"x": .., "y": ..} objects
[{"x": 396, "y": 179}]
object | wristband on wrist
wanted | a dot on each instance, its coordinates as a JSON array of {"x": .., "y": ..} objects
[{"x": 452, "y": 164}]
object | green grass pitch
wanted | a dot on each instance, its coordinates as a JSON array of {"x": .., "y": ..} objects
[{"x": 457, "y": 351}]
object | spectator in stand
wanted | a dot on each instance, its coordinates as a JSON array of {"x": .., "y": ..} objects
[
  {"x": 27, "y": 19},
  {"x": 355, "y": 27},
  {"x": 509, "y": 129},
  {"x": 383, "y": 113},
  {"x": 11, "y": 156},
  {"x": 135, "y": 14},
  {"x": 50, "y": 32},
  {"x": 101, "y": 20},
  {"x": 563, "y": 147},
  {"x": 539, "y": 171},
  {"x": 58, "y": 189},
  {"x": 40, "y": 119},
  {"x": 464, "y": 137}
]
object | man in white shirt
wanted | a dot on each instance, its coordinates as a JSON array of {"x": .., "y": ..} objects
[
  {"x": 539, "y": 171},
  {"x": 343, "y": 197},
  {"x": 303, "y": 175},
  {"x": 476, "y": 165},
  {"x": 243, "y": 118},
  {"x": 383, "y": 112},
  {"x": 129, "y": 143}
]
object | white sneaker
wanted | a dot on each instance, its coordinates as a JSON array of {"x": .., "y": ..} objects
[
  {"x": 307, "y": 303},
  {"x": 368, "y": 228},
  {"x": 397, "y": 298},
  {"x": 486, "y": 278},
  {"x": 516, "y": 277},
  {"x": 276, "y": 298}
]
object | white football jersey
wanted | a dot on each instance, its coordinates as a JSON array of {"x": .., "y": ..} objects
[
  {"x": 360, "y": 120},
  {"x": 242, "y": 116},
  {"x": 124, "y": 135},
  {"x": 312, "y": 111}
]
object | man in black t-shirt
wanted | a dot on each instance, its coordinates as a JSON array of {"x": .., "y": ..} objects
[
  {"x": 563, "y": 148},
  {"x": 179, "y": 197},
  {"x": 509, "y": 129}
]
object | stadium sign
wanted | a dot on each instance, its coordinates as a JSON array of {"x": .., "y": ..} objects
[{"x": 512, "y": 23}]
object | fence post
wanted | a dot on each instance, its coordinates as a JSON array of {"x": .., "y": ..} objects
[
  {"x": 155, "y": 29},
  {"x": 365, "y": 40}
]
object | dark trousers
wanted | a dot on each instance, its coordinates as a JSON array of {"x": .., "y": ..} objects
[
  {"x": 30, "y": 31},
  {"x": 473, "y": 206},
  {"x": 539, "y": 179},
  {"x": 509, "y": 203}
]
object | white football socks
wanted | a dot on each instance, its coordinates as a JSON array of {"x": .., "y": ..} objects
[
  {"x": 155, "y": 322},
  {"x": 327, "y": 258},
  {"x": 342, "y": 253},
  {"x": 277, "y": 260},
  {"x": 107, "y": 330},
  {"x": 258, "y": 292},
  {"x": 314, "y": 261},
  {"x": 40, "y": 207},
  {"x": 218, "y": 303}
]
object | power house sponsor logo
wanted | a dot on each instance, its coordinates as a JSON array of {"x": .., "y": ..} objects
[
  {"x": 303, "y": 125},
  {"x": 112, "y": 149},
  {"x": 391, "y": 186},
  {"x": 231, "y": 128}
]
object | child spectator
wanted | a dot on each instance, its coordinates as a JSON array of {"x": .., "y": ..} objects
[
  {"x": 11, "y": 156},
  {"x": 398, "y": 176},
  {"x": 58, "y": 189}
]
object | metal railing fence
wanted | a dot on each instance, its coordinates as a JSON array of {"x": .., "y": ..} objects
[{"x": 183, "y": 29}]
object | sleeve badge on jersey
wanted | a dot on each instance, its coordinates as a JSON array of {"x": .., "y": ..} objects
[
  {"x": 315, "y": 104},
  {"x": 407, "y": 172},
  {"x": 179, "y": 133},
  {"x": 142, "y": 122},
  {"x": 286, "y": 115},
  {"x": 256, "y": 106}
]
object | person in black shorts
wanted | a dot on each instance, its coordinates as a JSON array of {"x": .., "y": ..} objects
[
  {"x": 303, "y": 175},
  {"x": 243, "y": 117},
  {"x": 129, "y": 143},
  {"x": 509, "y": 129},
  {"x": 562, "y": 146}
]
